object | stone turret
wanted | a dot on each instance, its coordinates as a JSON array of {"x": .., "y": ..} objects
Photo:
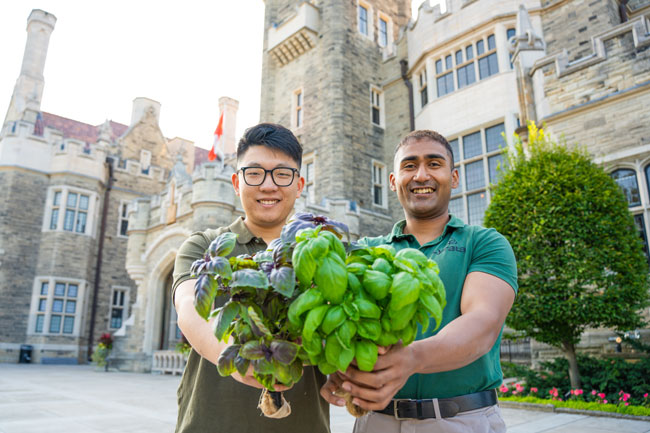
[{"x": 28, "y": 92}]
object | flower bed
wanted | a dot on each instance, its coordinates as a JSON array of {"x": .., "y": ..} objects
[{"x": 576, "y": 399}]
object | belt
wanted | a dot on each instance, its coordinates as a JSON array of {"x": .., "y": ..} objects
[{"x": 439, "y": 407}]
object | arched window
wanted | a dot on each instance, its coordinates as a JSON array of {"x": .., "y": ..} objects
[{"x": 626, "y": 179}]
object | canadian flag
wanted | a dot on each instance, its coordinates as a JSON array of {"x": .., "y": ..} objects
[{"x": 216, "y": 145}]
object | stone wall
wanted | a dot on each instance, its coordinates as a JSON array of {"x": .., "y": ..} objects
[
  {"x": 20, "y": 238},
  {"x": 335, "y": 77},
  {"x": 604, "y": 105},
  {"x": 571, "y": 24}
]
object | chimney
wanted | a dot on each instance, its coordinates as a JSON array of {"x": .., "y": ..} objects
[
  {"x": 141, "y": 106},
  {"x": 228, "y": 107},
  {"x": 28, "y": 91}
]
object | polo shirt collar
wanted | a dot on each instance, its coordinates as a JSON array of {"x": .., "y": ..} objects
[
  {"x": 239, "y": 228},
  {"x": 398, "y": 229}
]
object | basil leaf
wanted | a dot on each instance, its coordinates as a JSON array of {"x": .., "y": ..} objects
[
  {"x": 404, "y": 290},
  {"x": 226, "y": 361},
  {"x": 369, "y": 328},
  {"x": 252, "y": 350},
  {"x": 249, "y": 278},
  {"x": 326, "y": 368},
  {"x": 376, "y": 283},
  {"x": 284, "y": 352},
  {"x": 258, "y": 321},
  {"x": 331, "y": 278},
  {"x": 334, "y": 317},
  {"x": 313, "y": 320},
  {"x": 414, "y": 255},
  {"x": 407, "y": 335},
  {"x": 400, "y": 318},
  {"x": 224, "y": 319},
  {"x": 303, "y": 264},
  {"x": 242, "y": 364},
  {"x": 365, "y": 353},
  {"x": 223, "y": 244},
  {"x": 305, "y": 302},
  {"x": 283, "y": 281},
  {"x": 262, "y": 366},
  {"x": 345, "y": 333},
  {"x": 367, "y": 308},
  {"x": 382, "y": 265},
  {"x": 205, "y": 290},
  {"x": 387, "y": 339},
  {"x": 318, "y": 247}
]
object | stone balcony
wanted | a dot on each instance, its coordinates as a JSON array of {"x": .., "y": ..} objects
[{"x": 296, "y": 35}]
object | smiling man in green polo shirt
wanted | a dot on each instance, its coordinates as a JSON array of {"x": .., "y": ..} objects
[
  {"x": 445, "y": 381},
  {"x": 268, "y": 182}
]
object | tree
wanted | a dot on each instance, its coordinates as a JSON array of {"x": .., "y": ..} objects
[{"x": 579, "y": 256}]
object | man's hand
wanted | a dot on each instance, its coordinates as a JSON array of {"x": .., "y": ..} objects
[
  {"x": 250, "y": 380},
  {"x": 334, "y": 382},
  {"x": 374, "y": 390}
]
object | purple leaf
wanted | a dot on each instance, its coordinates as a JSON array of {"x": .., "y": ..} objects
[
  {"x": 284, "y": 351},
  {"x": 283, "y": 281}
]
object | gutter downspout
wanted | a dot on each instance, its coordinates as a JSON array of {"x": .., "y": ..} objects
[
  {"x": 404, "y": 66},
  {"x": 100, "y": 248}
]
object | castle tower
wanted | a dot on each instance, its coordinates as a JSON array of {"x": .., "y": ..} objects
[
  {"x": 323, "y": 77},
  {"x": 228, "y": 107},
  {"x": 28, "y": 91}
]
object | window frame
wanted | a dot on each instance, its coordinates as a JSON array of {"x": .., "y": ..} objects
[
  {"x": 34, "y": 311},
  {"x": 369, "y": 19},
  {"x": 62, "y": 207},
  {"x": 376, "y": 91},
  {"x": 126, "y": 291},
  {"x": 297, "y": 110},
  {"x": 120, "y": 218},
  {"x": 423, "y": 87},
  {"x": 382, "y": 184},
  {"x": 484, "y": 157},
  {"x": 145, "y": 159},
  {"x": 309, "y": 159}
]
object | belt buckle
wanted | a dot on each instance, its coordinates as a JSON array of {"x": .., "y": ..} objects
[{"x": 395, "y": 408}]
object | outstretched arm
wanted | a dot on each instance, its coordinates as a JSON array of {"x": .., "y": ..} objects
[
  {"x": 200, "y": 335},
  {"x": 485, "y": 303}
]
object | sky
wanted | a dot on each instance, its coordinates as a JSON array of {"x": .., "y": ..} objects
[{"x": 184, "y": 55}]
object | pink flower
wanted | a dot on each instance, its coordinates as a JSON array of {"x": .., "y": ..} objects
[
  {"x": 604, "y": 401},
  {"x": 519, "y": 387},
  {"x": 626, "y": 403},
  {"x": 534, "y": 389},
  {"x": 593, "y": 392},
  {"x": 601, "y": 395},
  {"x": 645, "y": 395},
  {"x": 503, "y": 388},
  {"x": 579, "y": 392}
]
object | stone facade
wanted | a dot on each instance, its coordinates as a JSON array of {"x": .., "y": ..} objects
[
  {"x": 55, "y": 175},
  {"x": 350, "y": 91}
]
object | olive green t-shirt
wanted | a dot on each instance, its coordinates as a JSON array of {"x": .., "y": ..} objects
[
  {"x": 460, "y": 249},
  {"x": 210, "y": 403}
]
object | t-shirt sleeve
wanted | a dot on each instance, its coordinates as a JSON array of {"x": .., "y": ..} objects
[
  {"x": 191, "y": 250},
  {"x": 493, "y": 255}
]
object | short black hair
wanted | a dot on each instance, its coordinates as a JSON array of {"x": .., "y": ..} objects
[
  {"x": 427, "y": 134},
  {"x": 273, "y": 136}
]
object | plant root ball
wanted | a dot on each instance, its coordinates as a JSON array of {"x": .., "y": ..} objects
[{"x": 352, "y": 408}]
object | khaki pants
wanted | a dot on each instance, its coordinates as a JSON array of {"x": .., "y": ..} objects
[{"x": 485, "y": 420}]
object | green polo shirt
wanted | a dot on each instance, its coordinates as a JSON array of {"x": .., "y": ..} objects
[
  {"x": 460, "y": 249},
  {"x": 210, "y": 403}
]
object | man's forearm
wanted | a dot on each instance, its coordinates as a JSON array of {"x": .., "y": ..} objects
[
  {"x": 461, "y": 342},
  {"x": 197, "y": 330}
]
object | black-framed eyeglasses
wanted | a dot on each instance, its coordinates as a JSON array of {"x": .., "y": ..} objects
[{"x": 281, "y": 176}]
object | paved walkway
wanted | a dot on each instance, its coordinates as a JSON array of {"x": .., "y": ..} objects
[{"x": 77, "y": 399}]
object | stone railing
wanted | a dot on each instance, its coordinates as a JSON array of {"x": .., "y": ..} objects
[{"x": 168, "y": 361}]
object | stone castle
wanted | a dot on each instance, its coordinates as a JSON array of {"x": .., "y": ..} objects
[{"x": 93, "y": 215}]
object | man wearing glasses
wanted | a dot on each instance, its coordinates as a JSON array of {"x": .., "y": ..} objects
[{"x": 268, "y": 182}]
